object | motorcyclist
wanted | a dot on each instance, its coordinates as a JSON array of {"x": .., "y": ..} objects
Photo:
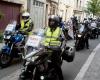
[
  {"x": 86, "y": 34},
  {"x": 75, "y": 25},
  {"x": 53, "y": 37},
  {"x": 26, "y": 24},
  {"x": 61, "y": 23},
  {"x": 62, "y": 26},
  {"x": 96, "y": 28}
]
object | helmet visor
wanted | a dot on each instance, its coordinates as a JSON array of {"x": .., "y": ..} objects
[
  {"x": 25, "y": 17},
  {"x": 51, "y": 23}
]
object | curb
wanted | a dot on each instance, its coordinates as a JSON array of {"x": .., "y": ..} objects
[{"x": 85, "y": 67}]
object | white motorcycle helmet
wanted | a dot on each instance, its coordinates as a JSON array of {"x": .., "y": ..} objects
[{"x": 25, "y": 16}]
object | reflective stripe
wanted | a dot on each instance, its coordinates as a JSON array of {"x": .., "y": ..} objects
[{"x": 50, "y": 37}]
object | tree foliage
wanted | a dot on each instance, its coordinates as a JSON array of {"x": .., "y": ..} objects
[{"x": 93, "y": 7}]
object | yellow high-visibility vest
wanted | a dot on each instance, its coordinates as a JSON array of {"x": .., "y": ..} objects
[
  {"x": 52, "y": 38},
  {"x": 23, "y": 25}
]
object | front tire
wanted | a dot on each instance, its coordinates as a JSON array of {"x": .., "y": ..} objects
[
  {"x": 52, "y": 76},
  {"x": 55, "y": 76},
  {"x": 5, "y": 60}
]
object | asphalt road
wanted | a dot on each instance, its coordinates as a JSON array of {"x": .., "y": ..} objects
[{"x": 70, "y": 70}]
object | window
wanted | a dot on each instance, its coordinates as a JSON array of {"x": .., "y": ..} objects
[
  {"x": 80, "y": 3},
  {"x": 77, "y": 4},
  {"x": 38, "y": 3},
  {"x": 33, "y": 2},
  {"x": 53, "y": 11}
]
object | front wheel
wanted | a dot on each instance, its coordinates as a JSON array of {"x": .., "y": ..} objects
[
  {"x": 55, "y": 76},
  {"x": 49, "y": 76},
  {"x": 5, "y": 60},
  {"x": 77, "y": 45}
]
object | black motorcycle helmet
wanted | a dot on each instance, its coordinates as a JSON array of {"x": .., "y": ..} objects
[{"x": 53, "y": 21}]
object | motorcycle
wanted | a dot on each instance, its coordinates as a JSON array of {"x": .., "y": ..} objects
[
  {"x": 41, "y": 57},
  {"x": 14, "y": 48},
  {"x": 94, "y": 33},
  {"x": 79, "y": 44},
  {"x": 10, "y": 29}
]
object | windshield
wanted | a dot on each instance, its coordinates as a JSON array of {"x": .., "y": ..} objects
[
  {"x": 36, "y": 38},
  {"x": 81, "y": 28},
  {"x": 40, "y": 32}
]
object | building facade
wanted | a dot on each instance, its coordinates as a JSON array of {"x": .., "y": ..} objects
[
  {"x": 37, "y": 12},
  {"x": 51, "y": 9},
  {"x": 64, "y": 8},
  {"x": 11, "y": 11},
  {"x": 70, "y": 8}
]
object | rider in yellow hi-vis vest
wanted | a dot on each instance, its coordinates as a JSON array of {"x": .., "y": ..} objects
[
  {"x": 26, "y": 23},
  {"x": 53, "y": 37}
]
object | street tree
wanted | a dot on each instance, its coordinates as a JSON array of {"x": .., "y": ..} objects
[{"x": 93, "y": 7}]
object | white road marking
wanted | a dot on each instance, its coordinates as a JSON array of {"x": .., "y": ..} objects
[{"x": 87, "y": 64}]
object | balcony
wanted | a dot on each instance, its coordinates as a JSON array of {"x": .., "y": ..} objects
[{"x": 78, "y": 9}]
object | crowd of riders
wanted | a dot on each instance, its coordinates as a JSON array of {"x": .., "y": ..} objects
[{"x": 54, "y": 35}]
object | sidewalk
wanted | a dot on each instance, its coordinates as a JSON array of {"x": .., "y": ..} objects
[{"x": 91, "y": 69}]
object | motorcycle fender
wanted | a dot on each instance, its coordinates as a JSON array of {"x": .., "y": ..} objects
[
  {"x": 6, "y": 50},
  {"x": 8, "y": 53}
]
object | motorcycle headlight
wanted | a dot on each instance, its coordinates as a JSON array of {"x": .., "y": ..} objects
[
  {"x": 34, "y": 58},
  {"x": 93, "y": 28},
  {"x": 79, "y": 35},
  {"x": 8, "y": 37},
  {"x": 42, "y": 77}
]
